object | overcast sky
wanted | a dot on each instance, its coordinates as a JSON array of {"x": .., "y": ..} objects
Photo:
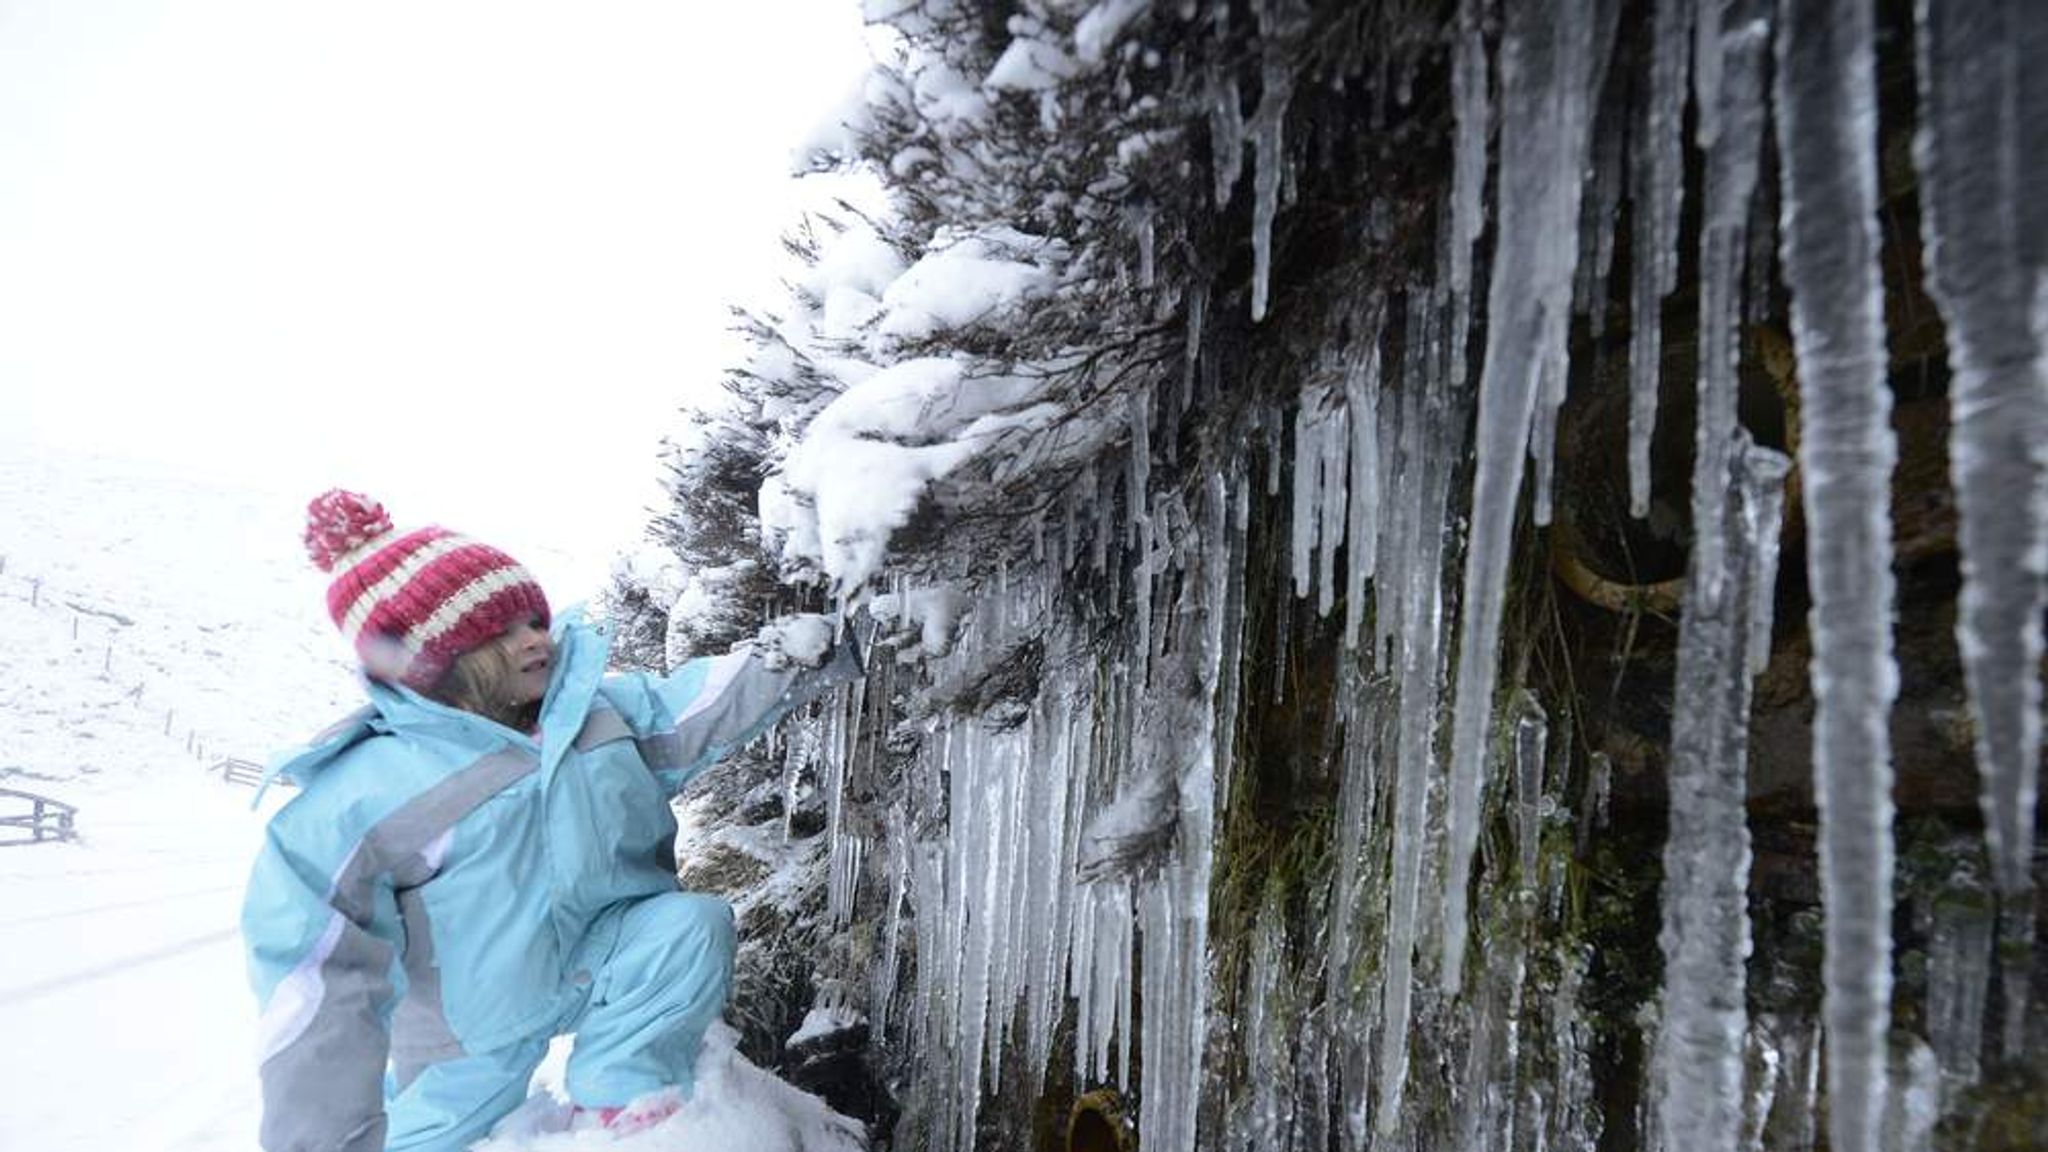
[{"x": 466, "y": 255}]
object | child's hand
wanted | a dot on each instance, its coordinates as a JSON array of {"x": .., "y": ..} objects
[{"x": 800, "y": 641}]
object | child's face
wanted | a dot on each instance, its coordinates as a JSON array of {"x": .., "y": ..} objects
[{"x": 531, "y": 652}]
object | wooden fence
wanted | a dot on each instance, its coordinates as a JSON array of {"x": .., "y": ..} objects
[
  {"x": 32, "y": 819},
  {"x": 239, "y": 771}
]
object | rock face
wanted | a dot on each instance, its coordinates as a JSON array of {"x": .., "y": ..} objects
[{"x": 1495, "y": 615}]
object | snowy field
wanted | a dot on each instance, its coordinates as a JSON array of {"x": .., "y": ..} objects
[{"x": 152, "y": 625}]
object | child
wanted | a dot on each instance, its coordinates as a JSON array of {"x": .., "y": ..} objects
[{"x": 483, "y": 857}]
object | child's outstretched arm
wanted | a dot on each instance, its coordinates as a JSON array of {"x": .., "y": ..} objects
[
  {"x": 323, "y": 939},
  {"x": 696, "y": 715}
]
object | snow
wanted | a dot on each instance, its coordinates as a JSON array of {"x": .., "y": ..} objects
[
  {"x": 848, "y": 281},
  {"x": 803, "y": 638},
  {"x": 1029, "y": 64},
  {"x": 970, "y": 279},
  {"x": 1099, "y": 30},
  {"x": 824, "y": 1021},
  {"x": 944, "y": 96},
  {"x": 127, "y": 1016},
  {"x": 919, "y": 622},
  {"x": 867, "y": 459},
  {"x": 147, "y": 618},
  {"x": 835, "y": 135},
  {"x": 735, "y": 1105}
]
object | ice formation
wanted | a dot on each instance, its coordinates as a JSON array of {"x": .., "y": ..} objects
[{"x": 1221, "y": 530}]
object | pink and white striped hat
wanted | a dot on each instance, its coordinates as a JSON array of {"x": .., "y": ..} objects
[{"x": 411, "y": 602}]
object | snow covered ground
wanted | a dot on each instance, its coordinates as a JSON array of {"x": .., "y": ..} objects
[{"x": 151, "y": 625}]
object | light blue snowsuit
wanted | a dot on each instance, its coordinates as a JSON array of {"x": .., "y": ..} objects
[{"x": 446, "y": 895}]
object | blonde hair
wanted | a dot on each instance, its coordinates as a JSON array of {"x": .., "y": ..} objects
[{"x": 477, "y": 681}]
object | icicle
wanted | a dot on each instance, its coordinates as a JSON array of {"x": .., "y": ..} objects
[
  {"x": 1916, "y": 1109},
  {"x": 1334, "y": 448},
  {"x": 1226, "y": 136},
  {"x": 976, "y": 880},
  {"x": 1982, "y": 155},
  {"x": 1708, "y": 62},
  {"x": 1543, "y": 435},
  {"x": 1308, "y": 476},
  {"x": 1101, "y": 500},
  {"x": 1547, "y": 56},
  {"x": 1361, "y": 397},
  {"x": 1959, "y": 950},
  {"x": 1396, "y": 528},
  {"x": 1659, "y": 195},
  {"x": 1765, "y": 1072},
  {"x": 1731, "y": 181},
  {"x": 1230, "y": 664},
  {"x": 1265, "y": 1038},
  {"x": 1138, "y": 504},
  {"x": 1279, "y": 23},
  {"x": 1198, "y": 307},
  {"x": 1593, "y": 807},
  {"x": 1532, "y": 731},
  {"x": 883, "y": 990},
  {"x": 1473, "y": 114},
  {"x": 1705, "y": 936},
  {"x": 1267, "y": 144},
  {"x": 1414, "y": 571},
  {"x": 1269, "y": 423},
  {"x": 1070, "y": 530},
  {"x": 1142, "y": 223},
  {"x": 1827, "y": 128},
  {"x": 1141, "y": 524},
  {"x": 1125, "y": 1031},
  {"x": 1766, "y": 525},
  {"x": 1354, "y": 795},
  {"x": 1177, "y": 941},
  {"x": 1602, "y": 211}
]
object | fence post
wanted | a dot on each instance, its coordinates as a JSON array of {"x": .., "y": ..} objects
[
  {"x": 107, "y": 669},
  {"x": 74, "y": 625},
  {"x": 35, "y": 592},
  {"x": 168, "y": 713}
]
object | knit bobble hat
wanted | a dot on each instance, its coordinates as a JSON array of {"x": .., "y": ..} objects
[{"x": 411, "y": 602}]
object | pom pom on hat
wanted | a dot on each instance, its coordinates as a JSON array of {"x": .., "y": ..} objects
[
  {"x": 339, "y": 522},
  {"x": 411, "y": 602}
]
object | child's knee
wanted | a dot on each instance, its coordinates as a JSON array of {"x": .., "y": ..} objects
[{"x": 693, "y": 926}]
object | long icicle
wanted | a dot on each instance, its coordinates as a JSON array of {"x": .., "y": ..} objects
[
  {"x": 1547, "y": 49},
  {"x": 1659, "y": 195},
  {"x": 1827, "y": 127},
  {"x": 1982, "y": 156},
  {"x": 1473, "y": 113},
  {"x": 1413, "y": 572},
  {"x": 1706, "y": 936}
]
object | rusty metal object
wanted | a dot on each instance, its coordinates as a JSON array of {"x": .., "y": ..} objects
[{"x": 1568, "y": 562}]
